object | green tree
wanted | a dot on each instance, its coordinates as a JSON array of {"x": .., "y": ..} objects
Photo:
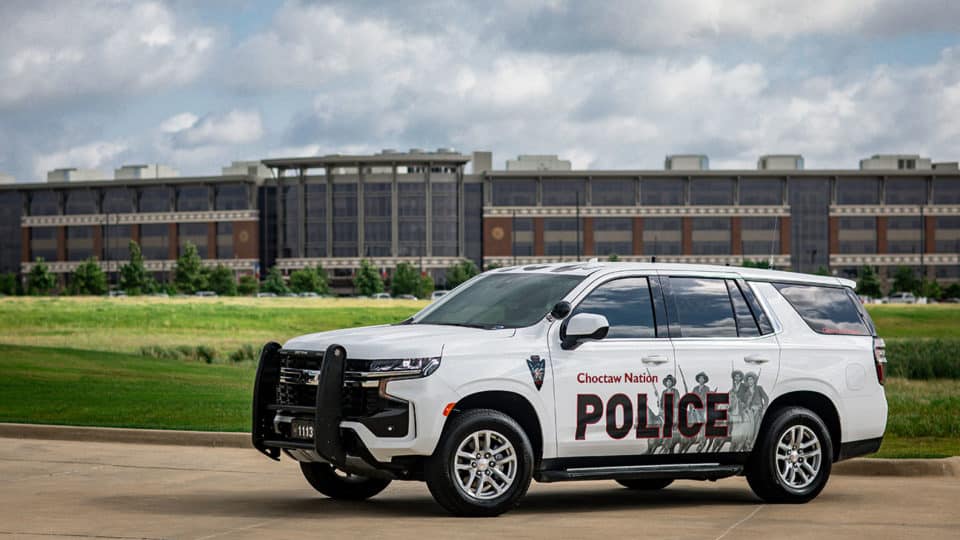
[
  {"x": 952, "y": 291},
  {"x": 248, "y": 285},
  {"x": 929, "y": 288},
  {"x": 494, "y": 266},
  {"x": 8, "y": 284},
  {"x": 88, "y": 278},
  {"x": 749, "y": 263},
  {"x": 405, "y": 280},
  {"x": 274, "y": 282},
  {"x": 188, "y": 274},
  {"x": 367, "y": 281},
  {"x": 425, "y": 286},
  {"x": 460, "y": 272},
  {"x": 822, "y": 271},
  {"x": 134, "y": 279},
  {"x": 869, "y": 283},
  {"x": 309, "y": 279},
  {"x": 613, "y": 257},
  {"x": 40, "y": 280},
  {"x": 222, "y": 281},
  {"x": 905, "y": 281}
]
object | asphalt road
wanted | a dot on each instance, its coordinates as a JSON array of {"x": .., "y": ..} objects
[{"x": 110, "y": 490}]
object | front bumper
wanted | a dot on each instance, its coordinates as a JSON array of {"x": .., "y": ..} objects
[{"x": 344, "y": 410}]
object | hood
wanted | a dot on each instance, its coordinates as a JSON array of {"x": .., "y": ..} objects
[{"x": 395, "y": 341}]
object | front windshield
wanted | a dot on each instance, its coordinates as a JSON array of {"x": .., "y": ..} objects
[{"x": 503, "y": 301}]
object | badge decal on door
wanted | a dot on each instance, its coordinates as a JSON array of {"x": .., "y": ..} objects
[{"x": 537, "y": 367}]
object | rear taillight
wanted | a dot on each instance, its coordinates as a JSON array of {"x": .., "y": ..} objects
[{"x": 879, "y": 358}]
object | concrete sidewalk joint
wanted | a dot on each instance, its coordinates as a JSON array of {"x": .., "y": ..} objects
[{"x": 853, "y": 467}]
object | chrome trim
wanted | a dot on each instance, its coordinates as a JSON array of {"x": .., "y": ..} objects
[
  {"x": 640, "y": 468},
  {"x": 382, "y": 374},
  {"x": 280, "y": 419},
  {"x": 310, "y": 377}
]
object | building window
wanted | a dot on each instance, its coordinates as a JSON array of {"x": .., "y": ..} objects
[
  {"x": 947, "y": 234},
  {"x": 43, "y": 243},
  {"x": 905, "y": 191},
  {"x": 231, "y": 197},
  {"x": 291, "y": 220},
  {"x": 711, "y": 191},
  {"x": 858, "y": 191},
  {"x": 44, "y": 203},
  {"x": 79, "y": 243},
  {"x": 560, "y": 237},
  {"x": 444, "y": 211},
  {"x": 613, "y": 192},
  {"x": 196, "y": 234},
  {"x": 761, "y": 191},
  {"x": 193, "y": 198},
  {"x": 613, "y": 236},
  {"x": 662, "y": 236},
  {"x": 661, "y": 192},
  {"x": 225, "y": 240},
  {"x": 155, "y": 199},
  {"x": 81, "y": 201},
  {"x": 116, "y": 238},
  {"x": 904, "y": 234},
  {"x": 412, "y": 207},
  {"x": 376, "y": 219},
  {"x": 523, "y": 236},
  {"x": 858, "y": 235},
  {"x": 711, "y": 236},
  {"x": 316, "y": 220},
  {"x": 514, "y": 192},
  {"x": 760, "y": 235},
  {"x": 118, "y": 201},
  {"x": 154, "y": 241},
  {"x": 564, "y": 192},
  {"x": 345, "y": 220},
  {"x": 946, "y": 191},
  {"x": 473, "y": 221}
]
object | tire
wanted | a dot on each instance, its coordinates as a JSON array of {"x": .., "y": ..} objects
[
  {"x": 651, "y": 484},
  {"x": 475, "y": 486},
  {"x": 338, "y": 485},
  {"x": 768, "y": 472}
]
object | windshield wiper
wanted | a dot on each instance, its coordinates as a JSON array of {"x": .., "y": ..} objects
[{"x": 464, "y": 325}]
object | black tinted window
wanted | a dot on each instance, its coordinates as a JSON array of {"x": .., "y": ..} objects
[
  {"x": 703, "y": 307},
  {"x": 626, "y": 304},
  {"x": 746, "y": 324},
  {"x": 827, "y": 310}
]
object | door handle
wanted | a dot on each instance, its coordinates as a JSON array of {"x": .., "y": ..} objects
[
  {"x": 654, "y": 359},
  {"x": 755, "y": 359}
]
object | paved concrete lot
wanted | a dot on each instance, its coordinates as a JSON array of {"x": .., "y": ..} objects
[{"x": 100, "y": 490}]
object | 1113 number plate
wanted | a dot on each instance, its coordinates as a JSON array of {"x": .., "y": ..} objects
[{"x": 301, "y": 429}]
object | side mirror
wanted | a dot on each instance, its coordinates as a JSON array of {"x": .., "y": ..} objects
[
  {"x": 582, "y": 327},
  {"x": 560, "y": 310}
]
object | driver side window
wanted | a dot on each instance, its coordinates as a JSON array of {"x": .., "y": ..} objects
[{"x": 627, "y": 305}]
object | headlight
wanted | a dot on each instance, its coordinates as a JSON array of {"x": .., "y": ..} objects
[{"x": 403, "y": 367}]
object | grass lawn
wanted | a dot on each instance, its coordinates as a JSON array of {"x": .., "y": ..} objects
[{"x": 75, "y": 361}]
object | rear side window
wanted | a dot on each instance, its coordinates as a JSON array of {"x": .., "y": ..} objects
[
  {"x": 703, "y": 307},
  {"x": 746, "y": 324},
  {"x": 827, "y": 310}
]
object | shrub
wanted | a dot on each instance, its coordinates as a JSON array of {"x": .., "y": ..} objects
[
  {"x": 368, "y": 280},
  {"x": 248, "y": 285},
  {"x": 134, "y": 279},
  {"x": 88, "y": 278},
  {"x": 460, "y": 272},
  {"x": 309, "y": 279},
  {"x": 222, "y": 281},
  {"x": 246, "y": 353},
  {"x": 274, "y": 282},
  {"x": 917, "y": 358},
  {"x": 40, "y": 280},
  {"x": 188, "y": 274}
]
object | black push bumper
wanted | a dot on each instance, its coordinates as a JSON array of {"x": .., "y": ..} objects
[{"x": 310, "y": 387}]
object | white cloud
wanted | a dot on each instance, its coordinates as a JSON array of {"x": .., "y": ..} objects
[
  {"x": 87, "y": 156},
  {"x": 62, "y": 51},
  {"x": 234, "y": 127}
]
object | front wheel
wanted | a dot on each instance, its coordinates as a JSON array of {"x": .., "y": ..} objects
[
  {"x": 794, "y": 458},
  {"x": 337, "y": 484},
  {"x": 482, "y": 466}
]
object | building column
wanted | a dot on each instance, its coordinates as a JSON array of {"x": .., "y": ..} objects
[
  {"x": 588, "y": 245},
  {"x": 98, "y": 247},
  {"x": 638, "y": 235},
  {"x": 394, "y": 214},
  {"x": 834, "y": 226},
  {"x": 686, "y": 244},
  {"x": 25, "y": 244},
  {"x": 135, "y": 233},
  {"x": 736, "y": 240},
  {"x": 882, "y": 234},
  {"x": 538, "y": 236},
  {"x": 173, "y": 242},
  {"x": 461, "y": 215},
  {"x": 61, "y": 243},
  {"x": 785, "y": 235},
  {"x": 302, "y": 215},
  {"x": 280, "y": 214},
  {"x": 428, "y": 214},
  {"x": 212, "y": 241},
  {"x": 929, "y": 234},
  {"x": 361, "y": 214}
]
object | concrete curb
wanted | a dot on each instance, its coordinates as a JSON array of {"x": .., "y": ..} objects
[
  {"x": 947, "y": 467},
  {"x": 121, "y": 435}
]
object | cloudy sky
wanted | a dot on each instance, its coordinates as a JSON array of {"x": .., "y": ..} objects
[{"x": 608, "y": 85}]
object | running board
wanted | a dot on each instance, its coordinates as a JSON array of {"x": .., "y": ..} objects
[{"x": 689, "y": 471}]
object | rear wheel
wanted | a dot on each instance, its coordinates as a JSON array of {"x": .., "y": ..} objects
[
  {"x": 337, "y": 484},
  {"x": 646, "y": 484},
  {"x": 482, "y": 466},
  {"x": 794, "y": 458}
]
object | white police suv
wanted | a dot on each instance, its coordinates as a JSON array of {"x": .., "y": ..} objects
[{"x": 638, "y": 373}]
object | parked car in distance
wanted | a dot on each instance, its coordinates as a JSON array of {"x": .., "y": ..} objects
[
  {"x": 438, "y": 294},
  {"x": 379, "y": 296},
  {"x": 309, "y": 294},
  {"x": 205, "y": 293},
  {"x": 117, "y": 293},
  {"x": 266, "y": 295},
  {"x": 407, "y": 297},
  {"x": 902, "y": 298}
]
